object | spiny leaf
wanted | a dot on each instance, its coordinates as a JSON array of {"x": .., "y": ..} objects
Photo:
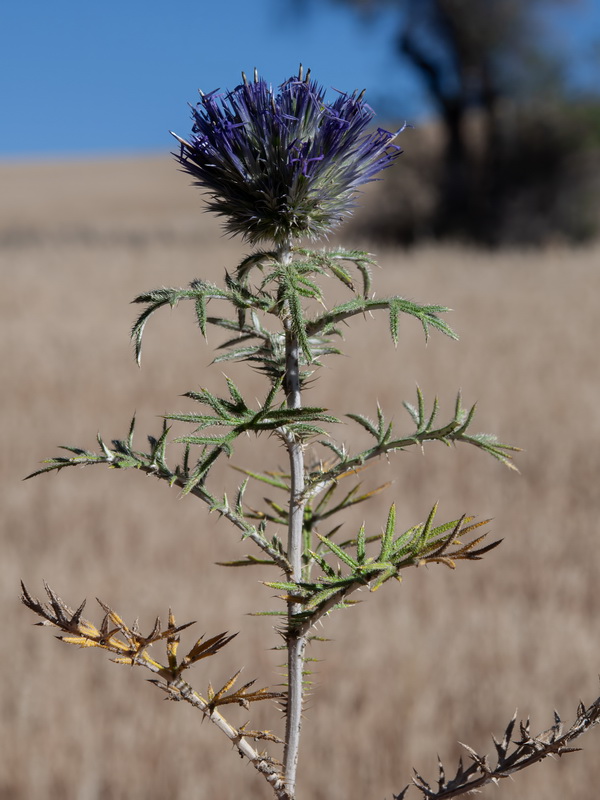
[
  {"x": 158, "y": 451},
  {"x": 388, "y": 535},
  {"x": 320, "y": 597},
  {"x": 338, "y": 450},
  {"x": 323, "y": 502},
  {"x": 235, "y": 393},
  {"x": 256, "y": 259},
  {"x": 284, "y": 586},
  {"x": 242, "y": 696},
  {"x": 343, "y": 275},
  {"x": 240, "y": 497},
  {"x": 206, "y": 649},
  {"x": 327, "y": 569},
  {"x": 468, "y": 418},
  {"x": 297, "y": 319},
  {"x": 425, "y": 533},
  {"x": 360, "y": 545},
  {"x": 351, "y": 499},
  {"x": 366, "y": 423},
  {"x": 200, "y": 309},
  {"x": 137, "y": 331},
  {"x": 334, "y": 548},
  {"x": 384, "y": 576},
  {"x": 267, "y": 613},
  {"x": 394, "y": 313},
  {"x": 248, "y": 561}
]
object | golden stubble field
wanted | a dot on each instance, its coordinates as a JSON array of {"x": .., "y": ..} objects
[{"x": 444, "y": 657}]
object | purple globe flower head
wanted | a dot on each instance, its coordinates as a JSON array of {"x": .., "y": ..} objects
[{"x": 283, "y": 164}]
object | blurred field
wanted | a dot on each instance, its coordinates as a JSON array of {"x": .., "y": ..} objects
[{"x": 415, "y": 668}]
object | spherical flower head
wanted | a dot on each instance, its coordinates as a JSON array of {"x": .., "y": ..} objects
[{"x": 283, "y": 164}]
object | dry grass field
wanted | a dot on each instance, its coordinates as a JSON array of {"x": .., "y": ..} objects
[{"x": 415, "y": 668}]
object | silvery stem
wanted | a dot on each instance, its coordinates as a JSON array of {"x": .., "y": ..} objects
[{"x": 296, "y": 643}]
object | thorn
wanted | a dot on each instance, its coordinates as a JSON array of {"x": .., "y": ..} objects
[{"x": 180, "y": 140}]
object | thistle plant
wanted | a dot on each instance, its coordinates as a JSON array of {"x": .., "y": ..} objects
[{"x": 283, "y": 168}]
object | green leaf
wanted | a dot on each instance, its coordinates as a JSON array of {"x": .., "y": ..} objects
[
  {"x": 137, "y": 332},
  {"x": 270, "y": 398},
  {"x": 235, "y": 394},
  {"x": 426, "y": 532},
  {"x": 248, "y": 561},
  {"x": 239, "y": 500},
  {"x": 298, "y": 323},
  {"x": 286, "y": 586},
  {"x": 384, "y": 576},
  {"x": 380, "y": 423},
  {"x": 468, "y": 418},
  {"x": 366, "y": 423},
  {"x": 394, "y": 313},
  {"x": 322, "y": 504},
  {"x": 200, "y": 308},
  {"x": 107, "y": 452},
  {"x": 221, "y": 443},
  {"x": 322, "y": 596},
  {"x": 343, "y": 276},
  {"x": 339, "y": 451},
  {"x": 387, "y": 539},
  {"x": 360, "y": 545},
  {"x": 432, "y": 416},
  {"x": 130, "y": 434},
  {"x": 268, "y": 478},
  {"x": 239, "y": 354},
  {"x": 267, "y": 613},
  {"x": 327, "y": 569},
  {"x": 256, "y": 259},
  {"x": 336, "y": 550},
  {"x": 158, "y": 451}
]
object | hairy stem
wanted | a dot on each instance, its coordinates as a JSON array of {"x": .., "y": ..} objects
[{"x": 296, "y": 642}]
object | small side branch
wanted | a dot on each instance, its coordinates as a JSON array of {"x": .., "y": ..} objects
[
  {"x": 423, "y": 544},
  {"x": 528, "y": 750},
  {"x": 249, "y": 531},
  {"x": 426, "y": 314},
  {"x": 455, "y": 431},
  {"x": 131, "y": 648},
  {"x": 123, "y": 456}
]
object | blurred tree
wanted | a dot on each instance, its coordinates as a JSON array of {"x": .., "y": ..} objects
[{"x": 480, "y": 59}]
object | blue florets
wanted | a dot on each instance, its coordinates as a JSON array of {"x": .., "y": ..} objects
[{"x": 282, "y": 165}]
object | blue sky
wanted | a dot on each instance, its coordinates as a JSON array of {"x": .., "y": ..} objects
[{"x": 81, "y": 78}]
